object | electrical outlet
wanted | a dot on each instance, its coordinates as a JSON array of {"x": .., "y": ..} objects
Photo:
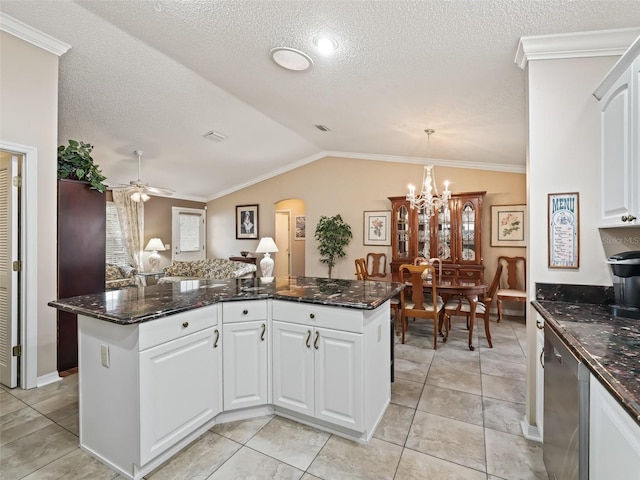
[
  {"x": 104, "y": 355},
  {"x": 379, "y": 332}
]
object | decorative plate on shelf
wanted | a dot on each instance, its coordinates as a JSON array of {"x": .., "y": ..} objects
[
  {"x": 468, "y": 254},
  {"x": 444, "y": 251}
]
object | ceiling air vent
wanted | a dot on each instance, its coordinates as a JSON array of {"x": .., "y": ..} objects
[
  {"x": 323, "y": 128},
  {"x": 214, "y": 136}
]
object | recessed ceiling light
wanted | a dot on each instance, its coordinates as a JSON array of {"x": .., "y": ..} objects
[
  {"x": 291, "y": 59},
  {"x": 325, "y": 45}
]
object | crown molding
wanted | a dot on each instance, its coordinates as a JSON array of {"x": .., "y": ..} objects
[
  {"x": 616, "y": 71},
  {"x": 598, "y": 43},
  {"x": 376, "y": 158},
  {"x": 31, "y": 35}
]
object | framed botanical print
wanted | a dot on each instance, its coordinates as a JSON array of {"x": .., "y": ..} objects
[
  {"x": 507, "y": 225},
  {"x": 377, "y": 228},
  {"x": 247, "y": 221}
]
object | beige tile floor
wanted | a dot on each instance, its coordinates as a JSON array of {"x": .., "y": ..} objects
[{"x": 454, "y": 414}]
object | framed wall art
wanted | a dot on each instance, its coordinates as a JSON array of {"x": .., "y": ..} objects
[
  {"x": 563, "y": 222},
  {"x": 377, "y": 228},
  {"x": 247, "y": 221},
  {"x": 507, "y": 225},
  {"x": 301, "y": 227}
]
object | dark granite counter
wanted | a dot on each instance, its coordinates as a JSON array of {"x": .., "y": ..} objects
[
  {"x": 135, "y": 305},
  {"x": 609, "y": 346}
]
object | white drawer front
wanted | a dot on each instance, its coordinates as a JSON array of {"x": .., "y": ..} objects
[
  {"x": 156, "y": 332},
  {"x": 246, "y": 311},
  {"x": 348, "y": 320}
]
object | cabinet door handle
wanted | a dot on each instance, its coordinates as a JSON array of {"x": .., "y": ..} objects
[
  {"x": 215, "y": 344},
  {"x": 315, "y": 342},
  {"x": 308, "y": 338},
  {"x": 185, "y": 324},
  {"x": 539, "y": 324},
  {"x": 542, "y": 358},
  {"x": 264, "y": 329},
  {"x": 628, "y": 218},
  {"x": 245, "y": 311},
  {"x": 312, "y": 316}
]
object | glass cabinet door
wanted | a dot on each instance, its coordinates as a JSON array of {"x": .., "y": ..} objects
[
  {"x": 402, "y": 232},
  {"x": 468, "y": 232},
  {"x": 424, "y": 236},
  {"x": 444, "y": 234}
]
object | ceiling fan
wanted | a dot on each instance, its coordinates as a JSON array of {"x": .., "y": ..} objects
[{"x": 139, "y": 190}]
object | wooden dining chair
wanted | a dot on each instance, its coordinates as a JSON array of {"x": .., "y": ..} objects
[
  {"x": 514, "y": 290},
  {"x": 459, "y": 305},
  {"x": 361, "y": 269},
  {"x": 417, "y": 306},
  {"x": 377, "y": 265}
]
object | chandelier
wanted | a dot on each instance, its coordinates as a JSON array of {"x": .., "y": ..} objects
[{"x": 429, "y": 200}]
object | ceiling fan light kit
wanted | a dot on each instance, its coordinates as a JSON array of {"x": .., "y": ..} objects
[{"x": 139, "y": 190}]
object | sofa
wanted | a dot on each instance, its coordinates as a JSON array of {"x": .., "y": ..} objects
[
  {"x": 117, "y": 276},
  {"x": 207, "y": 268}
]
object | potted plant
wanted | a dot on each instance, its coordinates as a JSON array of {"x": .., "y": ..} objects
[
  {"x": 332, "y": 234},
  {"x": 75, "y": 162}
]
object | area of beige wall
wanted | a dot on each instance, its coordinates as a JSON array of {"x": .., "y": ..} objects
[
  {"x": 349, "y": 187},
  {"x": 29, "y": 116},
  {"x": 157, "y": 223}
]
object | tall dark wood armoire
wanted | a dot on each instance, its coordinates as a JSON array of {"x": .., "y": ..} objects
[{"x": 81, "y": 257}]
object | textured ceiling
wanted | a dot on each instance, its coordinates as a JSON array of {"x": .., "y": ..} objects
[{"x": 157, "y": 75}]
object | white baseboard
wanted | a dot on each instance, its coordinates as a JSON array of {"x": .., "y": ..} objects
[
  {"x": 530, "y": 432},
  {"x": 47, "y": 379}
]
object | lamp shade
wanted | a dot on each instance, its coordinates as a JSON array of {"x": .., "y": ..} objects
[
  {"x": 155, "y": 244},
  {"x": 266, "y": 245}
]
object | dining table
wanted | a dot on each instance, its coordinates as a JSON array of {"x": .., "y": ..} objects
[{"x": 449, "y": 287}]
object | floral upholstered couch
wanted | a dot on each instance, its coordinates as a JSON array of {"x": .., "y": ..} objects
[
  {"x": 208, "y": 268},
  {"x": 117, "y": 276}
]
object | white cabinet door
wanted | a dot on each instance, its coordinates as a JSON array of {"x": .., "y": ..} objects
[
  {"x": 618, "y": 165},
  {"x": 614, "y": 437},
  {"x": 244, "y": 360},
  {"x": 179, "y": 390},
  {"x": 339, "y": 378},
  {"x": 293, "y": 375}
]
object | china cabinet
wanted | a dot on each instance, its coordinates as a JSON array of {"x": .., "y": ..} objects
[{"x": 454, "y": 235}]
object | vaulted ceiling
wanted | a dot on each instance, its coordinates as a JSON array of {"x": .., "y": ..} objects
[{"x": 157, "y": 75}]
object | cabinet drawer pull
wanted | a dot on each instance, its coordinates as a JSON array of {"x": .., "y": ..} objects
[
  {"x": 312, "y": 316},
  {"x": 628, "y": 218},
  {"x": 245, "y": 311},
  {"x": 315, "y": 342},
  {"x": 264, "y": 329},
  {"x": 215, "y": 344},
  {"x": 469, "y": 274},
  {"x": 539, "y": 324},
  {"x": 185, "y": 324},
  {"x": 308, "y": 338}
]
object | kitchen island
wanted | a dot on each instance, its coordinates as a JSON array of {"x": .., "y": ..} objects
[{"x": 160, "y": 365}]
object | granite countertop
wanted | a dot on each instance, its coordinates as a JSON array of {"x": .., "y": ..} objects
[
  {"x": 609, "y": 346},
  {"x": 135, "y": 305}
]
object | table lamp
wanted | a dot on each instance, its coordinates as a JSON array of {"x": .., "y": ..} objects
[
  {"x": 266, "y": 246},
  {"x": 154, "y": 245}
]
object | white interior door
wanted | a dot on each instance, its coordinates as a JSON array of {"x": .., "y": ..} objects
[
  {"x": 188, "y": 234},
  {"x": 283, "y": 241},
  {"x": 8, "y": 278}
]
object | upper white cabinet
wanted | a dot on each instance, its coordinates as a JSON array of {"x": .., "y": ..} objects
[
  {"x": 614, "y": 437},
  {"x": 620, "y": 142}
]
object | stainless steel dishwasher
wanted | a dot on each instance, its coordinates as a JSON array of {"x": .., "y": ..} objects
[{"x": 566, "y": 412}]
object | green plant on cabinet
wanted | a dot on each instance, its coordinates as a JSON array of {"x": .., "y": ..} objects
[{"x": 75, "y": 162}]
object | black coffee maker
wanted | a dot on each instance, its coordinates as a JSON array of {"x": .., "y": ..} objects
[{"x": 626, "y": 284}]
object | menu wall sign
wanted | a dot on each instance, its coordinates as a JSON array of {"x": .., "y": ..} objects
[{"x": 564, "y": 230}]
